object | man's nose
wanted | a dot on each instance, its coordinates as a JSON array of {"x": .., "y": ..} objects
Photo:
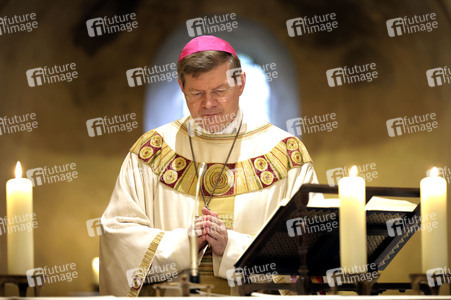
[{"x": 209, "y": 101}]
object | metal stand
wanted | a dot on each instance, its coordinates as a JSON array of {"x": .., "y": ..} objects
[
  {"x": 22, "y": 283},
  {"x": 185, "y": 286},
  {"x": 362, "y": 286},
  {"x": 420, "y": 283},
  {"x": 365, "y": 287}
]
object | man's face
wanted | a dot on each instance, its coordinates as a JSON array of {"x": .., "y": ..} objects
[{"x": 210, "y": 97}]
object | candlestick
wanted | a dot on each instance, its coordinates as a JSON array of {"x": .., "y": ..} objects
[
  {"x": 351, "y": 191},
  {"x": 19, "y": 211},
  {"x": 194, "y": 273},
  {"x": 434, "y": 242}
]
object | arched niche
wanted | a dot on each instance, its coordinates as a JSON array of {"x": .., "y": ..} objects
[{"x": 164, "y": 101}]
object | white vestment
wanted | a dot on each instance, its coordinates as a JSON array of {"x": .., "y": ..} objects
[{"x": 145, "y": 224}]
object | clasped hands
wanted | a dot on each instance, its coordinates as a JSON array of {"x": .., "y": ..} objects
[{"x": 210, "y": 230}]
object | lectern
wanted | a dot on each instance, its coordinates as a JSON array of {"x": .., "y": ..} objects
[{"x": 313, "y": 250}]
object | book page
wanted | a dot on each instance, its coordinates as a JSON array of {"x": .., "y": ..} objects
[{"x": 375, "y": 203}]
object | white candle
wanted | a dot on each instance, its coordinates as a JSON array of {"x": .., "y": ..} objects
[
  {"x": 351, "y": 191},
  {"x": 434, "y": 241},
  {"x": 19, "y": 211},
  {"x": 95, "y": 269}
]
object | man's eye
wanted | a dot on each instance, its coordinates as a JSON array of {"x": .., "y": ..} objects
[{"x": 220, "y": 92}]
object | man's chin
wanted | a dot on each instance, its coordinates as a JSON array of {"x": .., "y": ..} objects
[{"x": 212, "y": 128}]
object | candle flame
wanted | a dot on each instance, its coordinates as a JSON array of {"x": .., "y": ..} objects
[
  {"x": 95, "y": 265},
  {"x": 353, "y": 171},
  {"x": 18, "y": 170},
  {"x": 434, "y": 172}
]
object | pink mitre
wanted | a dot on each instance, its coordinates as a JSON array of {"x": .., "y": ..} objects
[{"x": 206, "y": 43}]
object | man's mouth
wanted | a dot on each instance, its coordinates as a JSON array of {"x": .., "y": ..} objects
[{"x": 210, "y": 115}]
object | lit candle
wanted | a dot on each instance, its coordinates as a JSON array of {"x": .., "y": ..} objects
[
  {"x": 351, "y": 191},
  {"x": 19, "y": 211},
  {"x": 434, "y": 242},
  {"x": 95, "y": 269}
]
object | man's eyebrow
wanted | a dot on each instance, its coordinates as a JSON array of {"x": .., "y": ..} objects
[
  {"x": 194, "y": 90},
  {"x": 222, "y": 85}
]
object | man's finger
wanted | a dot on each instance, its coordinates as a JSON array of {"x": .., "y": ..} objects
[
  {"x": 210, "y": 225},
  {"x": 220, "y": 230},
  {"x": 200, "y": 229},
  {"x": 216, "y": 221},
  {"x": 218, "y": 246},
  {"x": 217, "y": 235},
  {"x": 211, "y": 240},
  {"x": 207, "y": 212},
  {"x": 200, "y": 224},
  {"x": 200, "y": 232}
]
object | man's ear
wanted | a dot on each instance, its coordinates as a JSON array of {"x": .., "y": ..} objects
[{"x": 243, "y": 82}]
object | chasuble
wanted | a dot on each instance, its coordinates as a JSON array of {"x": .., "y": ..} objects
[{"x": 145, "y": 224}]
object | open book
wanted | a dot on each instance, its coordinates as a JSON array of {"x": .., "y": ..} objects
[{"x": 375, "y": 204}]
